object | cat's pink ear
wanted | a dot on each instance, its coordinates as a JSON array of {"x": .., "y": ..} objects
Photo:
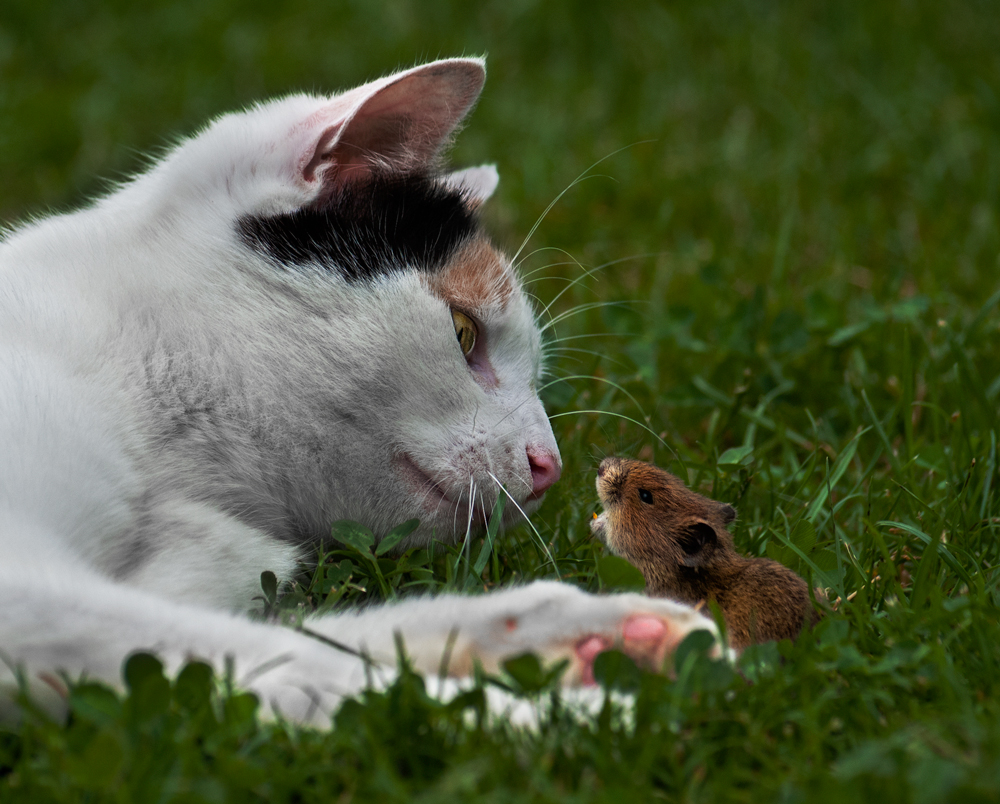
[
  {"x": 477, "y": 184},
  {"x": 397, "y": 123}
]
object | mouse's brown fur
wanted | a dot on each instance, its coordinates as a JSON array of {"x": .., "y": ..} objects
[{"x": 678, "y": 539}]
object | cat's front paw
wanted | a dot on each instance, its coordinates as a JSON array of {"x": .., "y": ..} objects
[
  {"x": 307, "y": 684},
  {"x": 557, "y": 621}
]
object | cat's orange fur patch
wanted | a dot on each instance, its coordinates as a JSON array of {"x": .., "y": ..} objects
[{"x": 475, "y": 279}]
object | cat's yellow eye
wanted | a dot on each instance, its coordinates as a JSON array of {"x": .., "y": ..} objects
[{"x": 465, "y": 329}]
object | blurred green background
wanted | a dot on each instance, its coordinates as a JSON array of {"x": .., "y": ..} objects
[{"x": 763, "y": 107}]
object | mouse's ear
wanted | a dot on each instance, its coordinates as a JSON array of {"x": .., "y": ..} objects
[{"x": 697, "y": 540}]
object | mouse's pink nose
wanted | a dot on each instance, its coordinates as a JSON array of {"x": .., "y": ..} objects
[{"x": 545, "y": 470}]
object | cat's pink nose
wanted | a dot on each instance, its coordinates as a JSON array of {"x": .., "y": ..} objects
[{"x": 545, "y": 470}]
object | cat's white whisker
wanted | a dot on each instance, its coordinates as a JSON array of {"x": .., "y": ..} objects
[
  {"x": 511, "y": 412},
  {"x": 541, "y": 268},
  {"x": 529, "y": 255},
  {"x": 572, "y": 350},
  {"x": 472, "y": 510},
  {"x": 527, "y": 283},
  {"x": 538, "y": 536},
  {"x": 482, "y": 505},
  {"x": 565, "y": 338},
  {"x": 582, "y": 308},
  {"x": 587, "y": 274},
  {"x": 622, "y": 416},
  {"x": 582, "y": 177},
  {"x": 467, "y": 538},
  {"x": 606, "y": 381}
]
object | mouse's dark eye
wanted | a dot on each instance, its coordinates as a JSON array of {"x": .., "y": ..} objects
[{"x": 646, "y": 496}]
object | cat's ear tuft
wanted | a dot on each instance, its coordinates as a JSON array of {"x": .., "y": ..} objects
[
  {"x": 399, "y": 123},
  {"x": 476, "y": 184}
]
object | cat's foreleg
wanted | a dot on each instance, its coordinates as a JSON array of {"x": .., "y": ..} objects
[
  {"x": 54, "y": 622},
  {"x": 83, "y": 626},
  {"x": 199, "y": 555}
]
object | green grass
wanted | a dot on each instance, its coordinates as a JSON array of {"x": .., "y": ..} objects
[{"x": 797, "y": 211}]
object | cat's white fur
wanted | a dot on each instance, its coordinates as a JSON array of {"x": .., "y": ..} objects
[{"x": 178, "y": 415}]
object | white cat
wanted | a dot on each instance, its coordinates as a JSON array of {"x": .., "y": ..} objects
[{"x": 292, "y": 318}]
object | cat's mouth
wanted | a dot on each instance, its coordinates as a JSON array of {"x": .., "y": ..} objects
[{"x": 431, "y": 495}]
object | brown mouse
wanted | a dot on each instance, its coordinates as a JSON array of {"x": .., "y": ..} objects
[{"x": 678, "y": 539}]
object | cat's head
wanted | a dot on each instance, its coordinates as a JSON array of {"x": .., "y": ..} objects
[{"x": 401, "y": 344}]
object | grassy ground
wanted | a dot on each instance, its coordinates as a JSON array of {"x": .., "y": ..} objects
[{"x": 797, "y": 215}]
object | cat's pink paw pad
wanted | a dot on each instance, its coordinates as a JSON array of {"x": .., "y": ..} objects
[
  {"x": 643, "y": 629},
  {"x": 645, "y": 638},
  {"x": 648, "y": 640},
  {"x": 586, "y": 652}
]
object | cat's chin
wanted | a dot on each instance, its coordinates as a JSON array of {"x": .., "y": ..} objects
[{"x": 434, "y": 502}]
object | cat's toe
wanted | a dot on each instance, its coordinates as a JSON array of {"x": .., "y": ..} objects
[
  {"x": 586, "y": 651},
  {"x": 647, "y": 639}
]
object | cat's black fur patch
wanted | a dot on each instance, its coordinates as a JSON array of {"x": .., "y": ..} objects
[{"x": 367, "y": 230}]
